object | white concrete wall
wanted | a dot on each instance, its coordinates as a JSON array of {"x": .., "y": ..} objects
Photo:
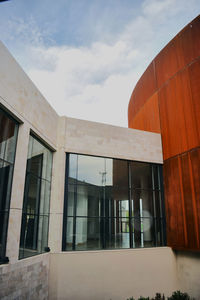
[
  {"x": 111, "y": 141},
  {"x": 113, "y": 274},
  {"x": 20, "y": 96},
  {"x": 188, "y": 268}
]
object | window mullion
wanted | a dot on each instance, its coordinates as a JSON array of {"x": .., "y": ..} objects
[{"x": 130, "y": 206}]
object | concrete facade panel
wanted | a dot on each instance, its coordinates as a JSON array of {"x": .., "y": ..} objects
[{"x": 113, "y": 275}]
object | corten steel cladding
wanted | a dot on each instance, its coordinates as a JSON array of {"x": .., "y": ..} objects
[{"x": 166, "y": 99}]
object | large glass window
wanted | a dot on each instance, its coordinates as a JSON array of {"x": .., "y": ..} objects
[
  {"x": 35, "y": 215},
  {"x": 111, "y": 204},
  {"x": 8, "y": 139}
]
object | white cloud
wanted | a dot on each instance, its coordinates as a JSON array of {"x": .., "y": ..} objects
[
  {"x": 93, "y": 83},
  {"x": 96, "y": 82}
]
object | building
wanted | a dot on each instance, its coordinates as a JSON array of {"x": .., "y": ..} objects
[
  {"x": 82, "y": 206},
  {"x": 166, "y": 100}
]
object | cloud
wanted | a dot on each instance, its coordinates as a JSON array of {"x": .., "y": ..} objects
[
  {"x": 167, "y": 8},
  {"x": 27, "y": 31},
  {"x": 95, "y": 82}
]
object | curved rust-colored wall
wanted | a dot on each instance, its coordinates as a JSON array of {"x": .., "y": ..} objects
[{"x": 166, "y": 99}]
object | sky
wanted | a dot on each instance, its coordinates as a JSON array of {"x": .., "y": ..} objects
[{"x": 85, "y": 56}]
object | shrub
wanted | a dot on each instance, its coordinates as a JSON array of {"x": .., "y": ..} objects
[
  {"x": 175, "y": 296},
  {"x": 179, "y": 296}
]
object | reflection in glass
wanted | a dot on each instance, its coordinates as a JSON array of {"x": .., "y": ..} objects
[
  {"x": 141, "y": 175},
  {"x": 88, "y": 234},
  {"x": 35, "y": 216},
  {"x": 8, "y": 139},
  {"x": 143, "y": 232},
  {"x": 142, "y": 202},
  {"x": 73, "y": 166},
  {"x": 117, "y": 233},
  {"x": 94, "y": 170},
  {"x": 111, "y": 204}
]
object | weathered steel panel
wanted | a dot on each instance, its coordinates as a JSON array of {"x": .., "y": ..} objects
[{"x": 169, "y": 93}]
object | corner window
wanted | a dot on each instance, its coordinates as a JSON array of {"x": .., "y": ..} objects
[
  {"x": 112, "y": 204},
  {"x": 35, "y": 214},
  {"x": 8, "y": 140}
]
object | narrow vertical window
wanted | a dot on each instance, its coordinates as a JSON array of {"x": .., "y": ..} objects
[
  {"x": 35, "y": 215},
  {"x": 8, "y": 140}
]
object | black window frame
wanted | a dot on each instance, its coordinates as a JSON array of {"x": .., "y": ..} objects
[
  {"x": 155, "y": 219},
  {"x": 6, "y": 211},
  {"x": 36, "y": 215}
]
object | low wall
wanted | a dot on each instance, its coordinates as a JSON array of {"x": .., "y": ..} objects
[
  {"x": 114, "y": 274},
  {"x": 26, "y": 279},
  {"x": 188, "y": 268}
]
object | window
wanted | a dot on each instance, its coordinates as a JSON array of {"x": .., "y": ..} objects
[
  {"x": 35, "y": 215},
  {"x": 8, "y": 140},
  {"x": 112, "y": 204}
]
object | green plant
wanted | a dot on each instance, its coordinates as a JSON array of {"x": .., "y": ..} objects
[
  {"x": 159, "y": 297},
  {"x": 179, "y": 296},
  {"x": 175, "y": 296}
]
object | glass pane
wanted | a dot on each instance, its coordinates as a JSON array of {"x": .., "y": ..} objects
[
  {"x": 37, "y": 148},
  {"x": 39, "y": 159},
  {"x": 49, "y": 166},
  {"x": 2, "y": 134},
  {"x": 35, "y": 165},
  {"x": 158, "y": 204},
  {"x": 117, "y": 233},
  {"x": 141, "y": 175},
  {"x": 98, "y": 201},
  {"x": 72, "y": 167},
  {"x": 35, "y": 219},
  {"x": 3, "y": 229},
  {"x": 5, "y": 184},
  {"x": 159, "y": 232},
  {"x": 70, "y": 200},
  {"x": 44, "y": 198},
  {"x": 116, "y": 202},
  {"x": 120, "y": 173},
  {"x": 42, "y": 237},
  {"x": 142, "y": 203},
  {"x": 4, "y": 173},
  {"x": 156, "y": 184},
  {"x": 30, "y": 147},
  {"x": 92, "y": 170},
  {"x": 30, "y": 227},
  {"x": 69, "y": 237},
  {"x": 143, "y": 232},
  {"x": 34, "y": 235},
  {"x": 88, "y": 235},
  {"x": 2, "y": 147},
  {"x": 89, "y": 199},
  {"x": 11, "y": 144},
  {"x": 7, "y": 134},
  {"x": 32, "y": 199}
]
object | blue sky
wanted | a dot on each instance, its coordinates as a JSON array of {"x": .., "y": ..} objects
[{"x": 86, "y": 56}]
